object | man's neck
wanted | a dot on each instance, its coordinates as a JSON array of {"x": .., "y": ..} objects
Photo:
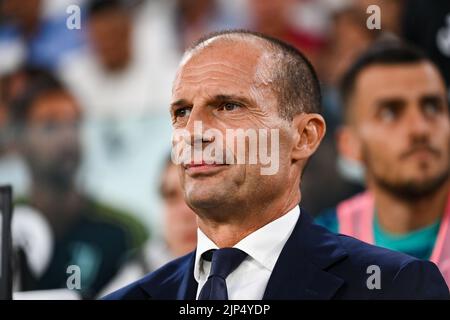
[
  {"x": 400, "y": 216},
  {"x": 228, "y": 233}
]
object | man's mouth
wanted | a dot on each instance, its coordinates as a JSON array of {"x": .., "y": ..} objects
[
  {"x": 203, "y": 167},
  {"x": 421, "y": 152}
]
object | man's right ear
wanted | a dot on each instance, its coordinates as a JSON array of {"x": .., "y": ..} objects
[
  {"x": 309, "y": 130},
  {"x": 348, "y": 143}
]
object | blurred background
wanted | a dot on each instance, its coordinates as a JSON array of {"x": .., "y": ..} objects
[{"x": 85, "y": 130}]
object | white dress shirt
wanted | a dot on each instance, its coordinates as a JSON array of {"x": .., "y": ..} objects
[{"x": 263, "y": 247}]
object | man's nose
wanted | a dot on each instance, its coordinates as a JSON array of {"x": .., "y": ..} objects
[
  {"x": 198, "y": 122},
  {"x": 193, "y": 138},
  {"x": 418, "y": 124}
]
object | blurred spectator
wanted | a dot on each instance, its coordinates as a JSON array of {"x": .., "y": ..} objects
[
  {"x": 178, "y": 238},
  {"x": 397, "y": 125},
  {"x": 13, "y": 170},
  {"x": 110, "y": 30},
  {"x": 180, "y": 222},
  {"x": 123, "y": 82},
  {"x": 91, "y": 235},
  {"x": 29, "y": 36},
  {"x": 117, "y": 75}
]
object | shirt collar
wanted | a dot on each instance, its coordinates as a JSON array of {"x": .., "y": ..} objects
[{"x": 264, "y": 245}]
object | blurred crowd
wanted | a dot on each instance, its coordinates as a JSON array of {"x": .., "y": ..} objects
[{"x": 85, "y": 130}]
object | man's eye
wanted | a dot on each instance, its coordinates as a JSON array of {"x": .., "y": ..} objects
[
  {"x": 432, "y": 108},
  {"x": 229, "y": 106},
  {"x": 388, "y": 114},
  {"x": 182, "y": 112}
]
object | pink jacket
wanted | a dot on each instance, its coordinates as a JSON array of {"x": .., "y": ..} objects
[{"x": 355, "y": 217}]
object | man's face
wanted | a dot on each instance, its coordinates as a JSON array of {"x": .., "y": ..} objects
[
  {"x": 180, "y": 220},
  {"x": 110, "y": 33},
  {"x": 226, "y": 86},
  {"x": 402, "y": 121},
  {"x": 51, "y": 137}
]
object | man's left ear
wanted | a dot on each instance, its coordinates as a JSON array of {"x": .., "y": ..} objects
[{"x": 308, "y": 130}]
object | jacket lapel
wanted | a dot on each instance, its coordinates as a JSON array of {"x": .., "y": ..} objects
[
  {"x": 300, "y": 272},
  {"x": 188, "y": 286},
  {"x": 174, "y": 284}
]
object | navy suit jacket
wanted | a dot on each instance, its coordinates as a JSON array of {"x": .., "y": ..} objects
[{"x": 314, "y": 264}]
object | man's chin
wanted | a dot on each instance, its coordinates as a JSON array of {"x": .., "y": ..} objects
[
  {"x": 206, "y": 197},
  {"x": 415, "y": 188}
]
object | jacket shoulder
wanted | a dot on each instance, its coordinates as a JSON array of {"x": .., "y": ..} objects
[
  {"x": 381, "y": 273},
  {"x": 362, "y": 252},
  {"x": 167, "y": 278}
]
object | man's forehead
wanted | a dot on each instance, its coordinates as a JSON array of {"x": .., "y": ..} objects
[
  {"x": 54, "y": 106},
  {"x": 247, "y": 63},
  {"x": 238, "y": 55},
  {"x": 399, "y": 80},
  {"x": 239, "y": 46}
]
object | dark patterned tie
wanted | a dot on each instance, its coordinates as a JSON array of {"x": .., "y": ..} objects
[{"x": 224, "y": 261}]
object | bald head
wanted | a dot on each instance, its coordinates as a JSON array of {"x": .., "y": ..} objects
[{"x": 290, "y": 75}]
